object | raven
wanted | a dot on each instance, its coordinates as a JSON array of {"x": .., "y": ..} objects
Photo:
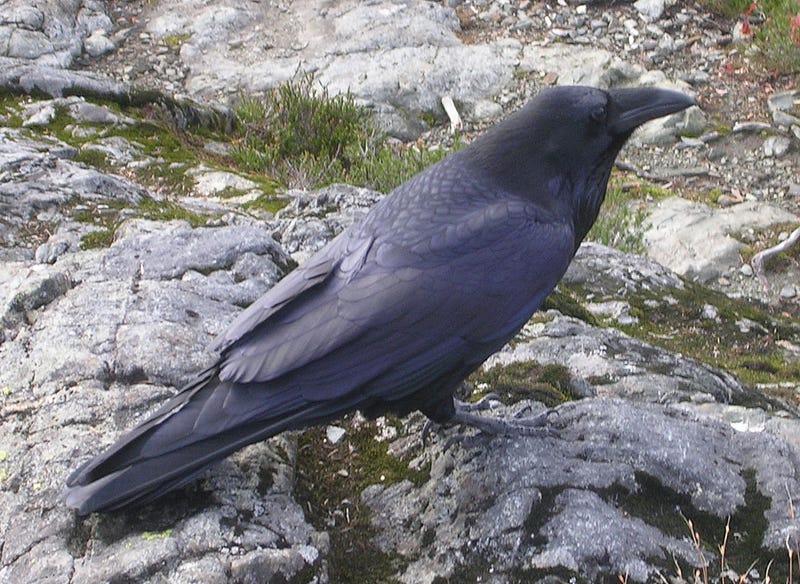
[{"x": 396, "y": 311}]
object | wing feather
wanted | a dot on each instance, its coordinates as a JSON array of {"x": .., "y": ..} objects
[{"x": 385, "y": 317}]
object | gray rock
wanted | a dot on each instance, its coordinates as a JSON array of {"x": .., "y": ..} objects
[
  {"x": 784, "y": 102},
  {"x": 52, "y": 32},
  {"x": 579, "y": 65},
  {"x": 788, "y": 291},
  {"x": 97, "y": 44},
  {"x": 400, "y": 58},
  {"x": 651, "y": 9},
  {"x": 547, "y": 503},
  {"x": 784, "y": 119},
  {"x": 84, "y": 332},
  {"x": 40, "y": 178},
  {"x": 776, "y": 146},
  {"x": 20, "y": 76},
  {"x": 666, "y": 130},
  {"x": 82, "y": 111},
  {"x": 695, "y": 240},
  {"x": 313, "y": 219},
  {"x": 42, "y": 115},
  {"x": 606, "y": 271},
  {"x": 617, "y": 365}
]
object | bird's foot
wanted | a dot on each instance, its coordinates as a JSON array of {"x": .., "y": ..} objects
[
  {"x": 483, "y": 404},
  {"x": 519, "y": 425},
  {"x": 538, "y": 425}
]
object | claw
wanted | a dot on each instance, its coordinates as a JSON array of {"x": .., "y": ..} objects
[{"x": 537, "y": 425}]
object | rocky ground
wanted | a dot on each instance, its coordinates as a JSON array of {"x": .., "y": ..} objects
[{"x": 127, "y": 243}]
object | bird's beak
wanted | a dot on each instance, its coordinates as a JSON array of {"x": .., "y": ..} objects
[{"x": 635, "y": 106}]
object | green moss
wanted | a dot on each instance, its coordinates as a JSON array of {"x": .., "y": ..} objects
[
  {"x": 565, "y": 300},
  {"x": 330, "y": 479},
  {"x": 175, "y": 41},
  {"x": 168, "y": 211},
  {"x": 678, "y": 326},
  {"x": 92, "y": 157},
  {"x": 98, "y": 239},
  {"x": 620, "y": 223},
  {"x": 548, "y": 384},
  {"x": 428, "y": 118},
  {"x": 151, "y": 536},
  {"x": 669, "y": 512},
  {"x": 11, "y": 110},
  {"x": 267, "y": 203}
]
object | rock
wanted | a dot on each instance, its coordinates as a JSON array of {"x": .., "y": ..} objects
[
  {"x": 695, "y": 240},
  {"x": 579, "y": 66},
  {"x": 651, "y": 9},
  {"x": 83, "y": 112},
  {"x": 401, "y": 71},
  {"x": 52, "y": 32},
  {"x": 85, "y": 331},
  {"x": 308, "y": 223},
  {"x": 784, "y": 119},
  {"x": 334, "y": 434},
  {"x": 788, "y": 291},
  {"x": 221, "y": 183},
  {"x": 21, "y": 77},
  {"x": 545, "y": 505},
  {"x": 98, "y": 43},
  {"x": 666, "y": 130},
  {"x": 42, "y": 116},
  {"x": 622, "y": 366},
  {"x": 782, "y": 104},
  {"x": 709, "y": 312},
  {"x": 776, "y": 146},
  {"x": 40, "y": 179}
]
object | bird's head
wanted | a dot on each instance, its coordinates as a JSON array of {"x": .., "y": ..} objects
[{"x": 559, "y": 149}]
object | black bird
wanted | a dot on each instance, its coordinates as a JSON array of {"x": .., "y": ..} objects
[{"x": 394, "y": 313}]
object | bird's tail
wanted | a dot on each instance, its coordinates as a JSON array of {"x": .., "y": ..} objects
[{"x": 192, "y": 431}]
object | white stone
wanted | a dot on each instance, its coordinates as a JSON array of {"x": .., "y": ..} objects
[{"x": 97, "y": 44}]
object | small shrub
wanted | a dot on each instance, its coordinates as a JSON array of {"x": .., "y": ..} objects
[
  {"x": 307, "y": 138},
  {"x": 774, "y": 25}
]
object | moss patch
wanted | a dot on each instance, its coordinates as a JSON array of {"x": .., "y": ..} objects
[
  {"x": 743, "y": 339},
  {"x": 548, "y": 384},
  {"x": 330, "y": 479},
  {"x": 670, "y": 511}
]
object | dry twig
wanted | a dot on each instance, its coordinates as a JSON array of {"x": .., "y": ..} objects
[{"x": 762, "y": 257}]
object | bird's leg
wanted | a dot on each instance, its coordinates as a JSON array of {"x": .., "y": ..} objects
[
  {"x": 463, "y": 413},
  {"x": 483, "y": 404},
  {"x": 529, "y": 426}
]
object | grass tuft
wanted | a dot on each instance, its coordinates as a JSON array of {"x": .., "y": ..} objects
[
  {"x": 307, "y": 138},
  {"x": 774, "y": 26}
]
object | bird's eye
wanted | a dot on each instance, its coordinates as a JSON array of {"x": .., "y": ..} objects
[{"x": 598, "y": 114}]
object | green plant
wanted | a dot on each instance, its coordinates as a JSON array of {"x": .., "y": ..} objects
[
  {"x": 306, "y": 137},
  {"x": 774, "y": 26}
]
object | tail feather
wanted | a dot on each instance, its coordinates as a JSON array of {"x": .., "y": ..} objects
[{"x": 160, "y": 456}]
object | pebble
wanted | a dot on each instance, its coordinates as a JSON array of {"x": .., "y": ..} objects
[
  {"x": 710, "y": 312},
  {"x": 776, "y": 146},
  {"x": 334, "y": 434},
  {"x": 788, "y": 291},
  {"x": 42, "y": 117},
  {"x": 746, "y": 270}
]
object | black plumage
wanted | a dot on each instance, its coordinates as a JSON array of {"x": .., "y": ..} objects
[{"x": 396, "y": 311}]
